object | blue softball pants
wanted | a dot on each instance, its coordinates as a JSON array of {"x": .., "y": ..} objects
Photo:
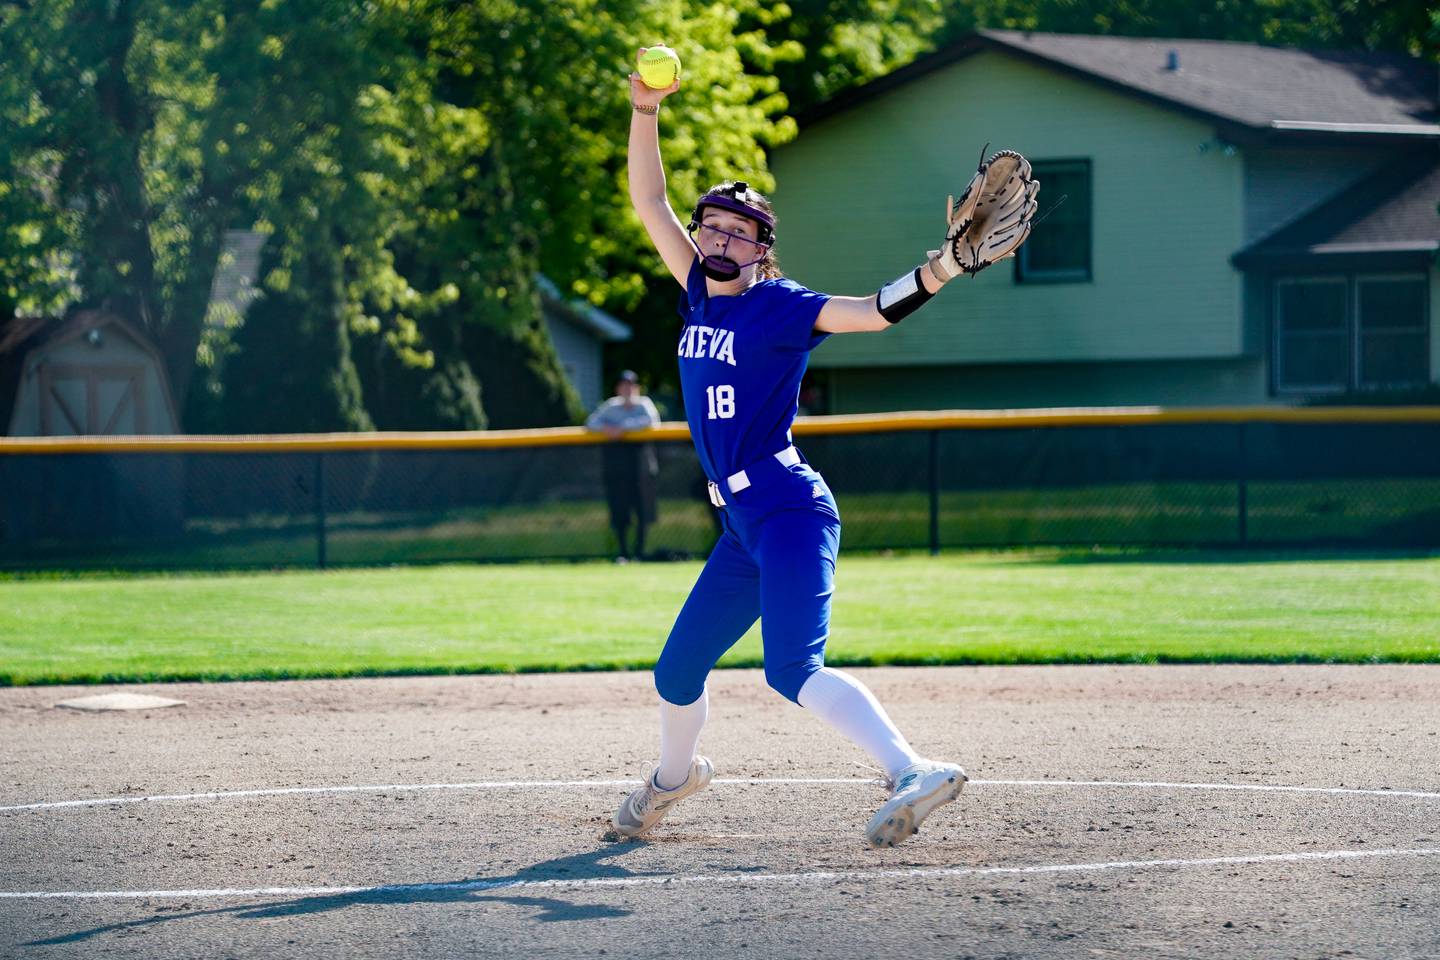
[{"x": 775, "y": 562}]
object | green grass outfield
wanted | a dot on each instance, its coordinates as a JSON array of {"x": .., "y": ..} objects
[{"x": 1001, "y": 607}]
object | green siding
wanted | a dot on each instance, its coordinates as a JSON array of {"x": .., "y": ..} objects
[
  {"x": 1284, "y": 183},
  {"x": 1169, "y": 383},
  {"x": 859, "y": 201}
]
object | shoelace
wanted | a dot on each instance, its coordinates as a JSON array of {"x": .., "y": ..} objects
[
  {"x": 882, "y": 778},
  {"x": 651, "y": 791},
  {"x": 647, "y": 770}
]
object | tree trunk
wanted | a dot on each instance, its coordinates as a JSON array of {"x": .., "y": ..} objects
[{"x": 119, "y": 271}]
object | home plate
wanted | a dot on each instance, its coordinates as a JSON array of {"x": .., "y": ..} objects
[{"x": 120, "y": 701}]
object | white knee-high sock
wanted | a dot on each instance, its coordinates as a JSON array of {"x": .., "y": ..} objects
[
  {"x": 679, "y": 736},
  {"x": 848, "y": 705}
]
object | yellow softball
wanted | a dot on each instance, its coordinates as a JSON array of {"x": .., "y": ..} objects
[{"x": 659, "y": 66}]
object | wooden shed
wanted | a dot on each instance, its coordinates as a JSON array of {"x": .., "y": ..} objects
[
  {"x": 92, "y": 374},
  {"x": 89, "y": 374}
]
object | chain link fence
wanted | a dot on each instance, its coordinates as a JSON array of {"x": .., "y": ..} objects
[{"x": 1309, "y": 479}]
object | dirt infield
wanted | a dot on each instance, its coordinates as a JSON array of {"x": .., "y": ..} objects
[{"x": 484, "y": 835}]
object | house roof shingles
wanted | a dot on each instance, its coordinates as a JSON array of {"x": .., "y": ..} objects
[
  {"x": 1247, "y": 83},
  {"x": 1391, "y": 215},
  {"x": 1275, "y": 90}
]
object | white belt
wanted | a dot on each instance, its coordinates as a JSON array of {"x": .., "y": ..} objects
[{"x": 738, "y": 480}]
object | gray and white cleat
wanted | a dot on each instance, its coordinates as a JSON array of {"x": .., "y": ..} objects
[
  {"x": 648, "y": 803},
  {"x": 919, "y": 790}
]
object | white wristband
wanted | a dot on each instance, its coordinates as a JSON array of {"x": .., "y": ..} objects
[{"x": 902, "y": 296}]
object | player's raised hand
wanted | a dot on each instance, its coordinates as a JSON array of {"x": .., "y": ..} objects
[{"x": 641, "y": 93}]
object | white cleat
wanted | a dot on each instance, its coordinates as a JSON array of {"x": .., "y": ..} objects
[
  {"x": 648, "y": 803},
  {"x": 919, "y": 790}
]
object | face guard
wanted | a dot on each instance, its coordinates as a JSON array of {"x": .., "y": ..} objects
[{"x": 720, "y": 266}]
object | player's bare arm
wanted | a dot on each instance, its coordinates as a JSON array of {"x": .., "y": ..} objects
[
  {"x": 864, "y": 314},
  {"x": 647, "y": 178}
]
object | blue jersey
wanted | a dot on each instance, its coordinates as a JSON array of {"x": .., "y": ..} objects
[{"x": 741, "y": 360}]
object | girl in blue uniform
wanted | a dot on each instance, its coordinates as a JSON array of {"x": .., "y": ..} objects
[{"x": 743, "y": 347}]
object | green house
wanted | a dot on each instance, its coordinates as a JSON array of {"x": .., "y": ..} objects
[{"x": 1241, "y": 224}]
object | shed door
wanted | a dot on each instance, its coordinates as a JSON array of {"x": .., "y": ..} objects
[{"x": 92, "y": 400}]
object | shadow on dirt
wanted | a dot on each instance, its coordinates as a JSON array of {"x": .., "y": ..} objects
[{"x": 593, "y": 864}]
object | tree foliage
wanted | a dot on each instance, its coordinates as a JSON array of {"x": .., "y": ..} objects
[{"x": 440, "y": 154}]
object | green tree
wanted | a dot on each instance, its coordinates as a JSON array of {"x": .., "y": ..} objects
[
  {"x": 413, "y": 163},
  {"x": 837, "y": 44},
  {"x": 326, "y": 181},
  {"x": 547, "y": 193},
  {"x": 139, "y": 132},
  {"x": 292, "y": 371}
]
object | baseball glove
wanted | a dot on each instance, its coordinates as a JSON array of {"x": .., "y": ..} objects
[{"x": 993, "y": 216}]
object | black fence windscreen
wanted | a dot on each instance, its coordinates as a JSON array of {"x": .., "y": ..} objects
[{"x": 1276, "y": 484}]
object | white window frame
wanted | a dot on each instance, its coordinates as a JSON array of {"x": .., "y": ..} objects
[{"x": 1352, "y": 282}]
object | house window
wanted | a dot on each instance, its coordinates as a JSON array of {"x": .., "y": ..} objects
[
  {"x": 1351, "y": 332},
  {"x": 1313, "y": 353},
  {"x": 1058, "y": 250},
  {"x": 1394, "y": 332}
]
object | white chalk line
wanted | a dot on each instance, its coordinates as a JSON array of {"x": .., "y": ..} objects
[
  {"x": 392, "y": 787},
  {"x": 754, "y": 781},
  {"x": 746, "y": 879}
]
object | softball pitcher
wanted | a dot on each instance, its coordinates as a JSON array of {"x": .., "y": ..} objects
[{"x": 743, "y": 347}]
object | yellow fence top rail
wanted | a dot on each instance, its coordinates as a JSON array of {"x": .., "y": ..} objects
[{"x": 804, "y": 426}]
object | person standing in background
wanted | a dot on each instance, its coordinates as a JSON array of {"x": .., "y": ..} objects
[{"x": 629, "y": 468}]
